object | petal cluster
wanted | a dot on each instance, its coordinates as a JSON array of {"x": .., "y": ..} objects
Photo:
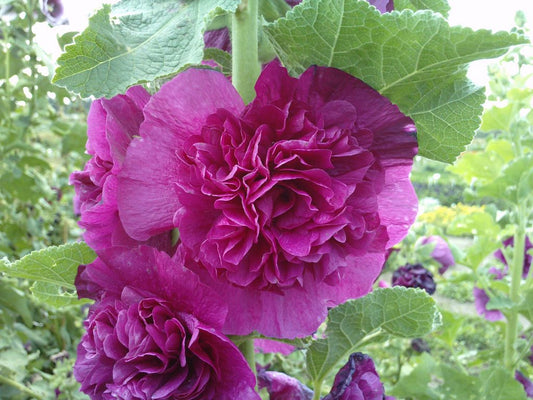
[
  {"x": 294, "y": 196},
  {"x": 112, "y": 123},
  {"x": 159, "y": 340}
]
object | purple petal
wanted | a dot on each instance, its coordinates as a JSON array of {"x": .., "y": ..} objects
[
  {"x": 481, "y": 300},
  {"x": 283, "y": 387},
  {"x": 169, "y": 121}
]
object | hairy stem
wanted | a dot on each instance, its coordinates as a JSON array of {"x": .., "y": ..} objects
[
  {"x": 6, "y": 381},
  {"x": 248, "y": 350},
  {"x": 244, "y": 43},
  {"x": 516, "y": 267}
]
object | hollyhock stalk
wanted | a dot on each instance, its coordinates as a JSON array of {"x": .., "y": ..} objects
[
  {"x": 517, "y": 267},
  {"x": 245, "y": 71},
  {"x": 244, "y": 44}
]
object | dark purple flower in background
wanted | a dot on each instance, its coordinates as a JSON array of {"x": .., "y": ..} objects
[
  {"x": 53, "y": 11},
  {"x": 526, "y": 383},
  {"x": 420, "y": 345},
  {"x": 282, "y": 387},
  {"x": 111, "y": 125},
  {"x": 441, "y": 251},
  {"x": 287, "y": 205},
  {"x": 415, "y": 276},
  {"x": 357, "y": 380},
  {"x": 481, "y": 299},
  {"x": 509, "y": 242},
  {"x": 154, "y": 333}
]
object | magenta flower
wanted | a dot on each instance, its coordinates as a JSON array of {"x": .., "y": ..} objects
[
  {"x": 481, "y": 299},
  {"x": 283, "y": 387},
  {"x": 357, "y": 380},
  {"x": 287, "y": 205},
  {"x": 111, "y": 125},
  {"x": 415, "y": 276},
  {"x": 441, "y": 251},
  {"x": 527, "y": 257},
  {"x": 526, "y": 383},
  {"x": 154, "y": 333}
]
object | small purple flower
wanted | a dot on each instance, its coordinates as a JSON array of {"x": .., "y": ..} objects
[
  {"x": 357, "y": 380},
  {"x": 481, "y": 299},
  {"x": 528, "y": 385},
  {"x": 53, "y": 11},
  {"x": 415, "y": 276},
  {"x": 527, "y": 257},
  {"x": 420, "y": 345},
  {"x": 441, "y": 251},
  {"x": 282, "y": 387}
]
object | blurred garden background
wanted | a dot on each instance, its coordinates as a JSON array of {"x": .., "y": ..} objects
[{"x": 465, "y": 207}]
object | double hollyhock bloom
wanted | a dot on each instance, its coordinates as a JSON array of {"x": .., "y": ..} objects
[
  {"x": 154, "y": 333},
  {"x": 415, "y": 276},
  {"x": 285, "y": 206},
  {"x": 111, "y": 125},
  {"x": 441, "y": 252}
]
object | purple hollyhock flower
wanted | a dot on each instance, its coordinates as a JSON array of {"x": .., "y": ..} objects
[
  {"x": 481, "y": 298},
  {"x": 154, "y": 333},
  {"x": 415, "y": 276},
  {"x": 282, "y": 387},
  {"x": 357, "y": 380},
  {"x": 441, "y": 251},
  {"x": 111, "y": 125},
  {"x": 53, "y": 11},
  {"x": 528, "y": 385},
  {"x": 527, "y": 257},
  {"x": 285, "y": 206}
]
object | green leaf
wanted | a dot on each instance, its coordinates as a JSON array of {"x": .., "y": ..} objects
[
  {"x": 498, "y": 118},
  {"x": 417, "y": 383},
  {"x": 458, "y": 385},
  {"x": 440, "y": 6},
  {"x": 54, "y": 270},
  {"x": 398, "y": 311},
  {"x": 415, "y": 59},
  {"x": 500, "y": 384},
  {"x": 137, "y": 41},
  {"x": 14, "y": 300}
]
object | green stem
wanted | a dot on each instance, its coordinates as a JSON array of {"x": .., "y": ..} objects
[
  {"x": 6, "y": 381},
  {"x": 516, "y": 267},
  {"x": 248, "y": 350},
  {"x": 244, "y": 47},
  {"x": 317, "y": 390}
]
